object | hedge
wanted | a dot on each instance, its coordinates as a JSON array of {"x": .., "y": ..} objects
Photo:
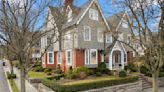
[{"x": 86, "y": 86}]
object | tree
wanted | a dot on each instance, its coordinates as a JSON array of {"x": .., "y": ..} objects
[
  {"x": 21, "y": 22},
  {"x": 146, "y": 21}
]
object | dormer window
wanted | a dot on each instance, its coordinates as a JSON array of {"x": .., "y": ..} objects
[
  {"x": 93, "y": 14},
  {"x": 124, "y": 24}
]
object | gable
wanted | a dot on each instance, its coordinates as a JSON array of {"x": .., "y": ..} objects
[{"x": 94, "y": 5}]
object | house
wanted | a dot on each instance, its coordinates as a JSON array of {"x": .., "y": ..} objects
[{"x": 88, "y": 34}]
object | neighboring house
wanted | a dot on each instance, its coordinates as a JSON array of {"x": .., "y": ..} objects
[
  {"x": 36, "y": 51},
  {"x": 83, "y": 42}
]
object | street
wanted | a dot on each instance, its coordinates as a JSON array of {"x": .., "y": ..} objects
[{"x": 3, "y": 81}]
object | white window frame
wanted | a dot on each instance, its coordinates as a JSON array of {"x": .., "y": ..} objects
[
  {"x": 98, "y": 34},
  {"x": 52, "y": 57},
  {"x": 93, "y": 14},
  {"x": 89, "y": 51},
  {"x": 59, "y": 58},
  {"x": 87, "y": 27},
  {"x": 43, "y": 59},
  {"x": 124, "y": 24},
  {"x": 70, "y": 57},
  {"x": 109, "y": 36}
]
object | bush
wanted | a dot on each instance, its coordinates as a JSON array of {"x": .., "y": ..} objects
[
  {"x": 102, "y": 68},
  {"x": 98, "y": 74},
  {"x": 38, "y": 69},
  {"x": 56, "y": 77},
  {"x": 145, "y": 71},
  {"x": 131, "y": 67},
  {"x": 47, "y": 70},
  {"x": 10, "y": 76},
  {"x": 86, "y": 86},
  {"x": 49, "y": 73},
  {"x": 58, "y": 71},
  {"x": 122, "y": 74},
  {"x": 161, "y": 74},
  {"x": 80, "y": 72}
]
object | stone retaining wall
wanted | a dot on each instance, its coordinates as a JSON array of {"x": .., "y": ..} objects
[
  {"x": 161, "y": 82},
  {"x": 42, "y": 88}
]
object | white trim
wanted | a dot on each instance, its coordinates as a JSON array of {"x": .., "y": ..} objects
[
  {"x": 99, "y": 33},
  {"x": 84, "y": 13},
  {"x": 58, "y": 57},
  {"x": 94, "y": 13},
  {"x": 85, "y": 27},
  {"x": 43, "y": 59},
  {"x": 111, "y": 38},
  {"x": 89, "y": 52},
  {"x": 52, "y": 57},
  {"x": 70, "y": 57}
]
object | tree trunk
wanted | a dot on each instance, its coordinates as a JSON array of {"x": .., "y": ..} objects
[
  {"x": 155, "y": 81},
  {"x": 23, "y": 88},
  {"x": 12, "y": 70}
]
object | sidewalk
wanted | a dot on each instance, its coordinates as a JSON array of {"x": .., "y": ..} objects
[{"x": 29, "y": 87}]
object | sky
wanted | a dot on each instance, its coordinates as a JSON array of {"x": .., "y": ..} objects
[{"x": 106, "y": 5}]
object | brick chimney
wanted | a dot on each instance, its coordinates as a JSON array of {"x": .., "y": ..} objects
[{"x": 68, "y": 2}]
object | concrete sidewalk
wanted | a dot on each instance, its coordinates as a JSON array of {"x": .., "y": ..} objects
[
  {"x": 161, "y": 89},
  {"x": 29, "y": 87}
]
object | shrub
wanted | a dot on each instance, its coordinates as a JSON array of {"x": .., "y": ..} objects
[
  {"x": 86, "y": 86},
  {"x": 58, "y": 71},
  {"x": 144, "y": 70},
  {"x": 47, "y": 70},
  {"x": 98, "y": 74},
  {"x": 80, "y": 72},
  {"x": 102, "y": 68},
  {"x": 49, "y": 73},
  {"x": 131, "y": 67},
  {"x": 10, "y": 76},
  {"x": 56, "y": 77},
  {"x": 161, "y": 74},
  {"x": 122, "y": 74},
  {"x": 83, "y": 69},
  {"x": 38, "y": 69}
]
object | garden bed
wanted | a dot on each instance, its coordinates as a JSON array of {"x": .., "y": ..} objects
[{"x": 80, "y": 85}]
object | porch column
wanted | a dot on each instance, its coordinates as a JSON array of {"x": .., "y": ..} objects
[
  {"x": 122, "y": 59},
  {"x": 110, "y": 61}
]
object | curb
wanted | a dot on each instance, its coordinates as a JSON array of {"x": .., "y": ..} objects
[{"x": 8, "y": 81}]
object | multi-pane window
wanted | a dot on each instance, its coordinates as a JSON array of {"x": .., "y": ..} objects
[
  {"x": 69, "y": 57},
  {"x": 100, "y": 35},
  {"x": 90, "y": 56},
  {"x": 59, "y": 57},
  {"x": 93, "y": 14},
  {"x": 109, "y": 38},
  {"x": 87, "y": 33},
  {"x": 124, "y": 24},
  {"x": 50, "y": 58}
]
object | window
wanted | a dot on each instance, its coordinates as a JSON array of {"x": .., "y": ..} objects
[
  {"x": 109, "y": 38},
  {"x": 91, "y": 56},
  {"x": 69, "y": 57},
  {"x": 69, "y": 14},
  {"x": 124, "y": 24},
  {"x": 87, "y": 58},
  {"x": 87, "y": 33},
  {"x": 93, "y": 14},
  {"x": 50, "y": 58},
  {"x": 59, "y": 57},
  {"x": 100, "y": 35}
]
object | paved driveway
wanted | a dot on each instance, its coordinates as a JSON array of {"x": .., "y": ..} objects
[{"x": 3, "y": 81}]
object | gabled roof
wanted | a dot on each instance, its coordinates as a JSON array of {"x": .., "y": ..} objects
[
  {"x": 116, "y": 20},
  {"x": 80, "y": 13}
]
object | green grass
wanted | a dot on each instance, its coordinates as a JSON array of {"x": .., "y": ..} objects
[
  {"x": 93, "y": 80},
  {"x": 33, "y": 74},
  {"x": 13, "y": 85}
]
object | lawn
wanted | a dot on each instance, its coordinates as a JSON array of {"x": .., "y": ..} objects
[
  {"x": 39, "y": 75},
  {"x": 97, "y": 79},
  {"x": 13, "y": 85}
]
